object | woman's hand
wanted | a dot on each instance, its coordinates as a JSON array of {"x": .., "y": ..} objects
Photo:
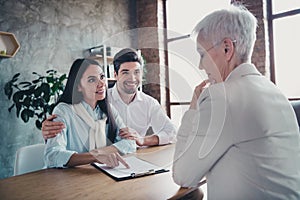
[
  {"x": 131, "y": 134},
  {"x": 108, "y": 156},
  {"x": 198, "y": 90},
  {"x": 50, "y": 128}
]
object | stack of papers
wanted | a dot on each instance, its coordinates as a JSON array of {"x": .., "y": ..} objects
[{"x": 138, "y": 168}]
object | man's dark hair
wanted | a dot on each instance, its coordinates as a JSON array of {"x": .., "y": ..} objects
[{"x": 127, "y": 55}]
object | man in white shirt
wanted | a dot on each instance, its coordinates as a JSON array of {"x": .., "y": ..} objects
[{"x": 138, "y": 110}]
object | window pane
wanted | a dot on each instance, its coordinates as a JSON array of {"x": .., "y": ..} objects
[
  {"x": 184, "y": 73},
  {"x": 184, "y": 15},
  {"x": 286, "y": 51},
  {"x": 177, "y": 113},
  {"x": 280, "y": 6}
]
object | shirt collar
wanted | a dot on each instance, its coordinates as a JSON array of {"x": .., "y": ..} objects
[
  {"x": 96, "y": 113},
  {"x": 243, "y": 69},
  {"x": 116, "y": 95},
  {"x": 87, "y": 106}
]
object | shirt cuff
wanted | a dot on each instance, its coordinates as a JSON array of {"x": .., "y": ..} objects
[
  {"x": 164, "y": 138},
  {"x": 125, "y": 146},
  {"x": 59, "y": 159}
]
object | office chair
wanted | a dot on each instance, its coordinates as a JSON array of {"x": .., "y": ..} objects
[
  {"x": 296, "y": 107},
  {"x": 29, "y": 158}
]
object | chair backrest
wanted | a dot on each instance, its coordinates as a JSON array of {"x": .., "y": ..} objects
[
  {"x": 29, "y": 158},
  {"x": 296, "y": 106}
]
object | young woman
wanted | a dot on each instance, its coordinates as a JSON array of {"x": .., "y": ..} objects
[{"x": 90, "y": 122}]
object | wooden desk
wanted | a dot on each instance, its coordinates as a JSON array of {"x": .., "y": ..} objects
[{"x": 87, "y": 182}]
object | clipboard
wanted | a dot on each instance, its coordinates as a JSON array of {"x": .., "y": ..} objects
[{"x": 138, "y": 168}]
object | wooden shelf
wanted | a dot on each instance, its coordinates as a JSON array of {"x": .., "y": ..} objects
[
  {"x": 9, "y": 45},
  {"x": 99, "y": 58},
  {"x": 109, "y": 69}
]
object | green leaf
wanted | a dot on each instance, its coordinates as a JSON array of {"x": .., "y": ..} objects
[
  {"x": 18, "y": 96},
  {"x": 15, "y": 77},
  {"x": 62, "y": 77},
  {"x": 11, "y": 107},
  {"x": 18, "y": 107},
  {"x": 45, "y": 87},
  {"x": 46, "y": 91},
  {"x": 50, "y": 80},
  {"x": 36, "y": 81},
  {"x": 25, "y": 84},
  {"x": 55, "y": 87},
  {"x": 29, "y": 91},
  {"x": 27, "y": 101},
  {"x": 30, "y": 113},
  {"x": 38, "y": 92},
  {"x": 37, "y": 103},
  {"x": 50, "y": 70},
  {"x": 8, "y": 89},
  {"x": 36, "y": 74},
  {"x": 47, "y": 97},
  {"x": 25, "y": 115},
  {"x": 38, "y": 124},
  {"x": 40, "y": 115}
]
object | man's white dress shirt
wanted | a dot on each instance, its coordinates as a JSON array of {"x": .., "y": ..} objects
[{"x": 144, "y": 111}]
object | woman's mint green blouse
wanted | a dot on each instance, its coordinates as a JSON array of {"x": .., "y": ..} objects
[{"x": 74, "y": 138}]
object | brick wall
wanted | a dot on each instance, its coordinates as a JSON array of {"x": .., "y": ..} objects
[
  {"x": 259, "y": 53},
  {"x": 151, "y": 41}
]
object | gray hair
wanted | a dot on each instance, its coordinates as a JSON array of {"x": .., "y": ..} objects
[{"x": 236, "y": 23}]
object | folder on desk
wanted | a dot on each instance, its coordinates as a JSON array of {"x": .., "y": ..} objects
[{"x": 138, "y": 168}]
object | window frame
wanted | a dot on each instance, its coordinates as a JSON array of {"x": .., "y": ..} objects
[{"x": 270, "y": 19}]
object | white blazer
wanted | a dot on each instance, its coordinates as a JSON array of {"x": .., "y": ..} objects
[{"x": 244, "y": 138}]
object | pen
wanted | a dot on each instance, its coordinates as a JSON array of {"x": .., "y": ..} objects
[{"x": 151, "y": 171}]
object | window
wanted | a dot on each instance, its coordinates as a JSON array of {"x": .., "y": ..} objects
[
  {"x": 283, "y": 19},
  {"x": 184, "y": 75}
]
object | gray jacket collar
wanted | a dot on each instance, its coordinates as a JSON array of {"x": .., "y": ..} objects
[{"x": 242, "y": 70}]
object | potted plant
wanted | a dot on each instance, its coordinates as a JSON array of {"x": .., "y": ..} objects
[{"x": 36, "y": 98}]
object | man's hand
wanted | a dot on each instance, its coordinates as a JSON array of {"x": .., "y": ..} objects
[
  {"x": 199, "y": 88},
  {"x": 50, "y": 129},
  {"x": 131, "y": 134},
  {"x": 108, "y": 156}
]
